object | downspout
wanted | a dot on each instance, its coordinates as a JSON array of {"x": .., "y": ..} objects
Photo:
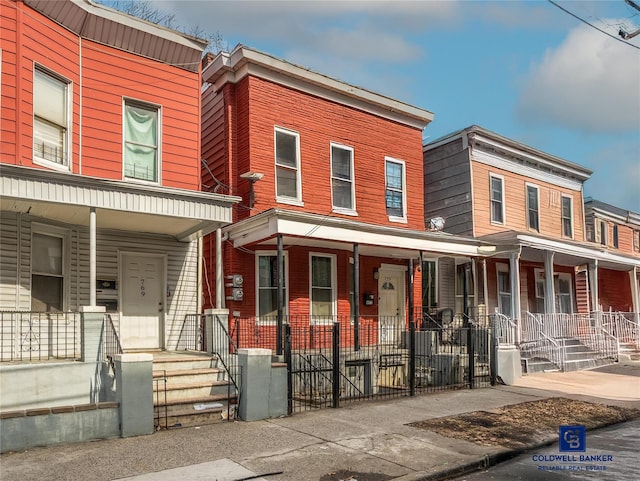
[
  {"x": 92, "y": 257},
  {"x": 79, "y": 115},
  {"x": 219, "y": 273}
]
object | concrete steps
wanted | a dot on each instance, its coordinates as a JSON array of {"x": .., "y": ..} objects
[
  {"x": 629, "y": 351},
  {"x": 577, "y": 357},
  {"x": 191, "y": 389}
]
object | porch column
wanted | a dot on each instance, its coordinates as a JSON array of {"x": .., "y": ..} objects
[
  {"x": 514, "y": 269},
  {"x": 633, "y": 274},
  {"x": 593, "y": 284},
  {"x": 485, "y": 285},
  {"x": 219, "y": 273},
  {"x": 280, "y": 260},
  {"x": 356, "y": 295},
  {"x": 549, "y": 288},
  {"x": 92, "y": 256}
]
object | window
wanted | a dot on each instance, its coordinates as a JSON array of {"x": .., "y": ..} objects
[
  {"x": 636, "y": 240},
  {"x": 322, "y": 288},
  {"x": 497, "y": 199},
  {"x": 504, "y": 290},
  {"x": 567, "y": 216},
  {"x": 564, "y": 298},
  {"x": 540, "y": 280},
  {"x": 267, "y": 266},
  {"x": 601, "y": 232},
  {"x": 47, "y": 277},
  {"x": 342, "y": 185},
  {"x": 429, "y": 284},
  {"x": 533, "y": 219},
  {"x": 50, "y": 118},
  {"x": 141, "y": 134},
  {"x": 615, "y": 235},
  {"x": 287, "y": 151},
  {"x": 395, "y": 196},
  {"x": 464, "y": 280}
]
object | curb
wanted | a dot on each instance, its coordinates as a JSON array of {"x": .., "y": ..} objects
[{"x": 486, "y": 461}]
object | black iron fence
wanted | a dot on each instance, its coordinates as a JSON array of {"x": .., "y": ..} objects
[
  {"x": 39, "y": 336},
  {"x": 330, "y": 363}
]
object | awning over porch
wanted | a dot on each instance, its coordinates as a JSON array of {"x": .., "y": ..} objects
[
  {"x": 304, "y": 229},
  {"x": 68, "y": 198}
]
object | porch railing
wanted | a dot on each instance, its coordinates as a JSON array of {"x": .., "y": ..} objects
[
  {"x": 536, "y": 343},
  {"x": 504, "y": 328},
  {"x": 39, "y": 336},
  {"x": 191, "y": 337},
  {"x": 112, "y": 346},
  {"x": 621, "y": 325}
]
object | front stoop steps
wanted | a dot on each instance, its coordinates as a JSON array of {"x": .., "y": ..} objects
[
  {"x": 190, "y": 389},
  {"x": 629, "y": 351},
  {"x": 578, "y": 357}
]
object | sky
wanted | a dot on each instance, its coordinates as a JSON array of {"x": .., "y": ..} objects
[{"x": 524, "y": 69}]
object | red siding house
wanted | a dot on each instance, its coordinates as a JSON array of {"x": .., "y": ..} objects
[
  {"x": 331, "y": 222},
  {"x": 101, "y": 202}
]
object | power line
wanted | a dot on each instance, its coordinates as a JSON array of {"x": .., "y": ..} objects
[{"x": 592, "y": 26}]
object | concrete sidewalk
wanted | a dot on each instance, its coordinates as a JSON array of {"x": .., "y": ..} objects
[{"x": 368, "y": 440}]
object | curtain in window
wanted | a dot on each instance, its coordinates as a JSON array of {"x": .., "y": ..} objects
[
  {"x": 50, "y": 117},
  {"x": 141, "y": 141}
]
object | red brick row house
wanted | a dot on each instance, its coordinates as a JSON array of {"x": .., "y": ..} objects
[{"x": 331, "y": 223}]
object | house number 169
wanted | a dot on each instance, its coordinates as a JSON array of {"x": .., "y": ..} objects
[{"x": 142, "y": 293}]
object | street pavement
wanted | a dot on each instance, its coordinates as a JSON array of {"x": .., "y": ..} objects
[{"x": 365, "y": 441}]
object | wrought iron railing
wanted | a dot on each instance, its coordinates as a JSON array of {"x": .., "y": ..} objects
[
  {"x": 622, "y": 325},
  {"x": 112, "y": 346},
  {"x": 504, "y": 328},
  {"x": 39, "y": 336},
  {"x": 191, "y": 337}
]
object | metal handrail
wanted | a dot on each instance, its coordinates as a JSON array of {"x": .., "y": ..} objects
[
  {"x": 505, "y": 328},
  {"x": 112, "y": 345}
]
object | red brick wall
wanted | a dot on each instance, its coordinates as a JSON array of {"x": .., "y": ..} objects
[{"x": 614, "y": 290}]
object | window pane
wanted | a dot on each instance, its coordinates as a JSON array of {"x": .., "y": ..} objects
[
  {"x": 50, "y": 98},
  {"x": 268, "y": 302},
  {"x": 46, "y": 253},
  {"x": 341, "y": 163},
  {"x": 321, "y": 272},
  {"x": 321, "y": 302},
  {"x": 342, "y": 194},
  {"x": 141, "y": 142},
  {"x": 46, "y": 293},
  {"x": 504, "y": 284},
  {"x": 394, "y": 175},
  {"x": 286, "y": 149},
  {"x": 532, "y": 201},
  {"x": 48, "y": 141},
  {"x": 394, "y": 204},
  {"x": 286, "y": 182}
]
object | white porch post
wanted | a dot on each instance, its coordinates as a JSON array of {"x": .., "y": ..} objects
[
  {"x": 549, "y": 288},
  {"x": 633, "y": 274},
  {"x": 593, "y": 284},
  {"x": 219, "y": 273},
  {"x": 92, "y": 257},
  {"x": 514, "y": 269}
]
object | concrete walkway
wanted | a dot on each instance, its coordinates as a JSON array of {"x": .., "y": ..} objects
[{"x": 369, "y": 440}]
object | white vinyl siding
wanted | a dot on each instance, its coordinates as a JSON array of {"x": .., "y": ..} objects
[
  {"x": 496, "y": 189},
  {"x": 287, "y": 164},
  {"x": 141, "y": 149},
  {"x": 342, "y": 180},
  {"x": 51, "y": 106}
]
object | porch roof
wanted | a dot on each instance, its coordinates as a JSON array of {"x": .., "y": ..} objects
[
  {"x": 568, "y": 252},
  {"x": 63, "y": 197},
  {"x": 321, "y": 231}
]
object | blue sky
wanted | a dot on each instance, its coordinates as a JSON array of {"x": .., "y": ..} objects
[{"x": 526, "y": 70}]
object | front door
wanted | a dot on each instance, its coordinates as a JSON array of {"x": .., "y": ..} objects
[
  {"x": 142, "y": 301},
  {"x": 391, "y": 309}
]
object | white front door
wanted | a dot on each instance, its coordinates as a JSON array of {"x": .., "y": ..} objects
[
  {"x": 391, "y": 288},
  {"x": 142, "y": 301}
]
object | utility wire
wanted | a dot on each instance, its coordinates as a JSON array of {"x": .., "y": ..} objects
[{"x": 591, "y": 25}]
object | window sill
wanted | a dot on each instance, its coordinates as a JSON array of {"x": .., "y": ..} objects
[
  {"x": 289, "y": 201},
  {"x": 50, "y": 165},
  {"x": 339, "y": 210},
  {"x": 140, "y": 181},
  {"x": 399, "y": 220}
]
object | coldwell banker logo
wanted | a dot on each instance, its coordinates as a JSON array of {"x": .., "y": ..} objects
[{"x": 572, "y": 439}]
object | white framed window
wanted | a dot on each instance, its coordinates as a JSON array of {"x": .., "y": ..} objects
[
  {"x": 141, "y": 141},
  {"x": 342, "y": 179},
  {"x": 267, "y": 286},
  {"x": 287, "y": 160},
  {"x": 600, "y": 231},
  {"x": 567, "y": 216},
  {"x": 636, "y": 240},
  {"x": 615, "y": 235},
  {"x": 564, "y": 293},
  {"x": 429, "y": 283},
  {"x": 395, "y": 190},
  {"x": 322, "y": 288},
  {"x": 504, "y": 289},
  {"x": 51, "y": 119},
  {"x": 464, "y": 275},
  {"x": 533, "y": 207},
  {"x": 540, "y": 290},
  {"x": 48, "y": 270},
  {"x": 496, "y": 189}
]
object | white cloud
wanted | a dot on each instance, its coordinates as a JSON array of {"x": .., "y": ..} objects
[{"x": 590, "y": 82}]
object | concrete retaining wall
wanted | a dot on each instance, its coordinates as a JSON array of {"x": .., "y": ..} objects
[{"x": 24, "y": 429}]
